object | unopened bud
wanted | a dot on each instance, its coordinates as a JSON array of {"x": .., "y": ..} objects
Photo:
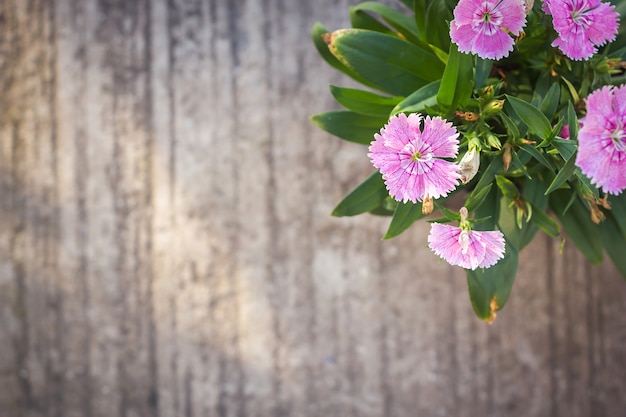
[
  {"x": 469, "y": 165},
  {"x": 507, "y": 157},
  {"x": 427, "y": 205},
  {"x": 487, "y": 93},
  {"x": 493, "y": 107},
  {"x": 493, "y": 141}
]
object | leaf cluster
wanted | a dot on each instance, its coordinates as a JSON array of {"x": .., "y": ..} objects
[{"x": 515, "y": 111}]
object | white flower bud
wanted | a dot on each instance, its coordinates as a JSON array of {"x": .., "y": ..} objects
[{"x": 469, "y": 165}]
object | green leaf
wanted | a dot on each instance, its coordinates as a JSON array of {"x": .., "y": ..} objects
[
  {"x": 364, "y": 102},
  {"x": 572, "y": 121},
  {"x": 496, "y": 166},
  {"x": 318, "y": 34},
  {"x": 361, "y": 20},
  {"x": 436, "y": 28},
  {"x": 614, "y": 242},
  {"x": 351, "y": 126},
  {"x": 508, "y": 189},
  {"x": 457, "y": 81},
  {"x": 618, "y": 208},
  {"x": 489, "y": 288},
  {"x": 538, "y": 155},
  {"x": 483, "y": 69},
  {"x": 392, "y": 64},
  {"x": 532, "y": 117},
  {"x": 369, "y": 195},
  {"x": 551, "y": 101},
  {"x": 404, "y": 216},
  {"x": 578, "y": 225},
  {"x": 564, "y": 174},
  {"x": 545, "y": 222},
  {"x": 520, "y": 163},
  {"x": 477, "y": 197},
  {"x": 420, "y": 100},
  {"x": 566, "y": 148},
  {"x": 400, "y": 21}
]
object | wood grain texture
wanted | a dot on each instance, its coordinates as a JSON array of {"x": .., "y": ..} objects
[{"x": 166, "y": 247}]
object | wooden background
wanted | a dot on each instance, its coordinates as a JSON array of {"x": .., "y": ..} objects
[{"x": 166, "y": 247}]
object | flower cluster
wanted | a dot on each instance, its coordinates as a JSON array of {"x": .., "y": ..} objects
[
  {"x": 483, "y": 27},
  {"x": 513, "y": 124}
]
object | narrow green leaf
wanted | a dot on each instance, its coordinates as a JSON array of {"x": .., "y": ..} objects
[
  {"x": 420, "y": 100},
  {"x": 419, "y": 9},
  {"x": 457, "y": 82},
  {"x": 351, "y": 126},
  {"x": 545, "y": 222},
  {"x": 520, "y": 164},
  {"x": 572, "y": 90},
  {"x": 566, "y": 147},
  {"x": 318, "y": 35},
  {"x": 482, "y": 71},
  {"x": 477, "y": 197},
  {"x": 564, "y": 174},
  {"x": 364, "y": 102},
  {"x": 618, "y": 208},
  {"x": 496, "y": 166},
  {"x": 367, "y": 196},
  {"x": 361, "y": 20},
  {"x": 400, "y": 21},
  {"x": 392, "y": 64},
  {"x": 578, "y": 225},
  {"x": 551, "y": 101},
  {"x": 532, "y": 117},
  {"x": 489, "y": 288},
  {"x": 436, "y": 28},
  {"x": 506, "y": 186},
  {"x": 614, "y": 243},
  {"x": 572, "y": 121},
  {"x": 538, "y": 155},
  {"x": 404, "y": 216}
]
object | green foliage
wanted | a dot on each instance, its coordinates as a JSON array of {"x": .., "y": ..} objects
[{"x": 513, "y": 111}]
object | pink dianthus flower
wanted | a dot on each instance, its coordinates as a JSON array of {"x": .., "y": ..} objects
[
  {"x": 464, "y": 247},
  {"x": 582, "y": 25},
  {"x": 602, "y": 139},
  {"x": 409, "y": 157},
  {"x": 484, "y": 27}
]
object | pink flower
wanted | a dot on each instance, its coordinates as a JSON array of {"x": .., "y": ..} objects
[
  {"x": 582, "y": 25},
  {"x": 483, "y": 27},
  {"x": 602, "y": 139},
  {"x": 465, "y": 247},
  {"x": 409, "y": 157}
]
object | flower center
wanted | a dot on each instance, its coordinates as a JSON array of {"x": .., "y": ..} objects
[
  {"x": 580, "y": 17},
  {"x": 617, "y": 136},
  {"x": 464, "y": 241}
]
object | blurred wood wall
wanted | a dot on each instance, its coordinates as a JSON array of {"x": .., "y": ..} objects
[{"x": 166, "y": 247}]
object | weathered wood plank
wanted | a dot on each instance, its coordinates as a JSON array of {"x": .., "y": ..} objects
[{"x": 166, "y": 248}]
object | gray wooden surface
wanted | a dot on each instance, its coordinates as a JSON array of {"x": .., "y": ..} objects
[{"x": 166, "y": 247}]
